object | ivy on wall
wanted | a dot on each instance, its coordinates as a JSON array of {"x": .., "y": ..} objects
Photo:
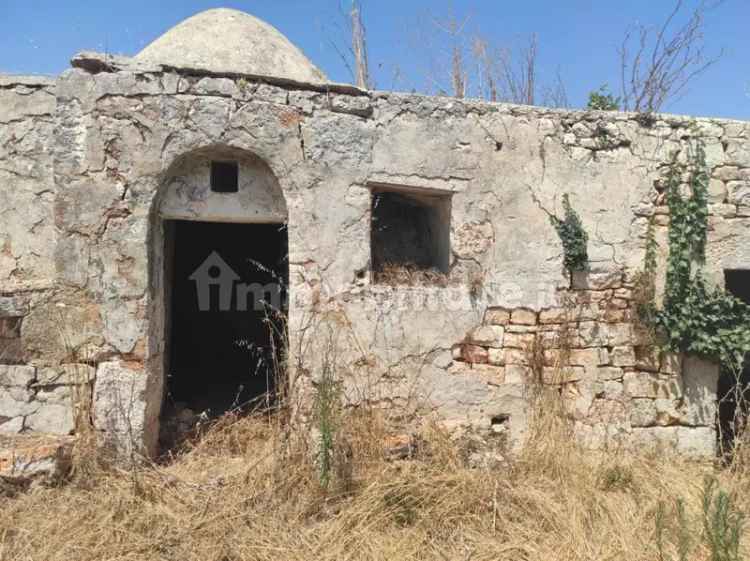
[
  {"x": 573, "y": 237},
  {"x": 644, "y": 294},
  {"x": 696, "y": 318}
]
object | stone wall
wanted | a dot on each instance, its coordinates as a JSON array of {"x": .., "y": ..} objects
[
  {"x": 616, "y": 385},
  {"x": 27, "y": 113},
  {"x": 124, "y": 129},
  {"x": 31, "y": 399}
]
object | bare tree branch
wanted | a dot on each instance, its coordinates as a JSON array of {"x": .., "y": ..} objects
[
  {"x": 359, "y": 48},
  {"x": 664, "y": 61},
  {"x": 556, "y": 95},
  {"x": 516, "y": 76},
  {"x": 464, "y": 64},
  {"x": 454, "y": 29},
  {"x": 350, "y": 44}
]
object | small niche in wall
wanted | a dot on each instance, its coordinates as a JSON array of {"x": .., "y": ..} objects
[
  {"x": 409, "y": 235},
  {"x": 224, "y": 177}
]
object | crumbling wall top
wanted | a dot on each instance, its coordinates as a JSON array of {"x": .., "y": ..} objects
[{"x": 12, "y": 80}]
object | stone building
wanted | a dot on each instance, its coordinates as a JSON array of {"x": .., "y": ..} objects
[{"x": 157, "y": 211}]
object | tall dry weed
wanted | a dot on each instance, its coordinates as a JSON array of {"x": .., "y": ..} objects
[{"x": 249, "y": 489}]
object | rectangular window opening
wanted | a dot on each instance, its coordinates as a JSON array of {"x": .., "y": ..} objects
[
  {"x": 224, "y": 177},
  {"x": 410, "y": 237}
]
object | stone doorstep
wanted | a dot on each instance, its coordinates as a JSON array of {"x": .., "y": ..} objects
[{"x": 24, "y": 456}]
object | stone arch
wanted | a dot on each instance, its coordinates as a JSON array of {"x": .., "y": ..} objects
[{"x": 184, "y": 194}]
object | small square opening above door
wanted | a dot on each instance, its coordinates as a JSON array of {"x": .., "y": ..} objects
[{"x": 225, "y": 177}]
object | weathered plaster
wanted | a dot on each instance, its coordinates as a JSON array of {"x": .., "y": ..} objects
[{"x": 128, "y": 142}]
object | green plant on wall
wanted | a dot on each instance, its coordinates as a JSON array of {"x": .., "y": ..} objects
[
  {"x": 696, "y": 318},
  {"x": 603, "y": 100},
  {"x": 573, "y": 237},
  {"x": 644, "y": 292}
]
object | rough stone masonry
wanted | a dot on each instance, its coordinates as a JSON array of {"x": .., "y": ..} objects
[{"x": 94, "y": 161}]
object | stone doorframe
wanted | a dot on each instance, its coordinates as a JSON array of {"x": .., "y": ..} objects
[{"x": 185, "y": 194}]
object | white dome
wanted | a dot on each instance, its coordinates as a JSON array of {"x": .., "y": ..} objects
[{"x": 224, "y": 40}]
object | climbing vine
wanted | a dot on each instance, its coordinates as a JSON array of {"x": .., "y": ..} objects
[
  {"x": 644, "y": 294},
  {"x": 573, "y": 237},
  {"x": 696, "y": 318}
]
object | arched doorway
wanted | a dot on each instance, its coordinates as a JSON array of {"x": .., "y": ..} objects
[{"x": 221, "y": 290}]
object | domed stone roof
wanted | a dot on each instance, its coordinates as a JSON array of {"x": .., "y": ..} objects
[{"x": 224, "y": 40}]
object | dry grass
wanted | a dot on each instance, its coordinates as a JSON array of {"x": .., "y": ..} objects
[
  {"x": 248, "y": 490},
  {"x": 394, "y": 274}
]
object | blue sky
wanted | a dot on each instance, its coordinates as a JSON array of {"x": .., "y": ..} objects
[{"x": 578, "y": 38}]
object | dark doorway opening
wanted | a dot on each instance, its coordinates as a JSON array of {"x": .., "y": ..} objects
[
  {"x": 734, "y": 387},
  {"x": 226, "y": 301}
]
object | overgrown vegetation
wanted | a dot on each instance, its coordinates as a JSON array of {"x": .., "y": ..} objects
[
  {"x": 722, "y": 523},
  {"x": 603, "y": 100},
  {"x": 644, "y": 292},
  {"x": 260, "y": 488},
  {"x": 696, "y": 318},
  {"x": 716, "y": 530},
  {"x": 573, "y": 237},
  {"x": 326, "y": 411},
  {"x": 249, "y": 489}
]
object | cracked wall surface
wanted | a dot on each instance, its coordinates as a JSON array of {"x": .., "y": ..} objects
[{"x": 84, "y": 158}]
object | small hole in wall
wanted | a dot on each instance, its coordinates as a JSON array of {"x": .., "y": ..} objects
[
  {"x": 500, "y": 420},
  {"x": 224, "y": 177},
  {"x": 498, "y": 146}
]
